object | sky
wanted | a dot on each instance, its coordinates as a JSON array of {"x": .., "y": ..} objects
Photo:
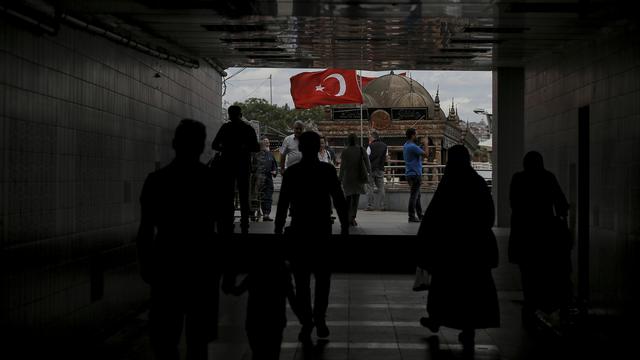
[{"x": 470, "y": 89}]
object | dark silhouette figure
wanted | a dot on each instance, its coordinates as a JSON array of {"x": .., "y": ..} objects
[
  {"x": 459, "y": 250},
  {"x": 308, "y": 187},
  {"x": 268, "y": 282},
  {"x": 354, "y": 174},
  {"x": 539, "y": 241},
  {"x": 176, "y": 244},
  {"x": 268, "y": 167},
  {"x": 236, "y": 140},
  {"x": 377, "y": 159}
]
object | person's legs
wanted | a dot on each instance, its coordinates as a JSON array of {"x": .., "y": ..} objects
[
  {"x": 355, "y": 199},
  {"x": 530, "y": 304},
  {"x": 371, "y": 193},
  {"x": 228, "y": 184},
  {"x": 419, "y": 212},
  {"x": 201, "y": 317},
  {"x": 379, "y": 182},
  {"x": 267, "y": 197},
  {"x": 243, "y": 191},
  {"x": 255, "y": 181},
  {"x": 351, "y": 199},
  {"x": 414, "y": 188},
  {"x": 302, "y": 277},
  {"x": 321, "y": 301},
  {"x": 165, "y": 324}
]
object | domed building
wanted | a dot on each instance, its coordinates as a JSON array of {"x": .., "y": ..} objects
[{"x": 392, "y": 104}]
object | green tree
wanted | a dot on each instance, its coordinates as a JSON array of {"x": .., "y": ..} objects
[{"x": 280, "y": 118}]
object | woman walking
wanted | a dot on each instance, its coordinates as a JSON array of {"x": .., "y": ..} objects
[
  {"x": 459, "y": 250},
  {"x": 540, "y": 241},
  {"x": 354, "y": 174}
]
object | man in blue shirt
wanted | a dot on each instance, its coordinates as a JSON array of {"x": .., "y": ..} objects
[{"x": 413, "y": 154}]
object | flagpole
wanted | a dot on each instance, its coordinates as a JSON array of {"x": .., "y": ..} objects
[{"x": 361, "y": 129}]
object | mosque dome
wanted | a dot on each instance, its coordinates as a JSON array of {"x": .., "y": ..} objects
[
  {"x": 370, "y": 101},
  {"x": 411, "y": 99},
  {"x": 393, "y": 90}
]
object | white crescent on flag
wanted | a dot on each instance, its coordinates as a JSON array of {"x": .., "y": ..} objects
[{"x": 341, "y": 82}]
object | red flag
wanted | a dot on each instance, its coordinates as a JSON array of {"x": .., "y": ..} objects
[
  {"x": 366, "y": 79},
  {"x": 331, "y": 86}
]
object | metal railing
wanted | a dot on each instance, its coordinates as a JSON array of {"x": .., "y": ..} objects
[{"x": 395, "y": 180}]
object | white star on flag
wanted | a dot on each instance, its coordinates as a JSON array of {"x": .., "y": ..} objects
[{"x": 320, "y": 88}]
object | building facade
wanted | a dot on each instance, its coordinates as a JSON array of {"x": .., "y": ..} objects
[{"x": 392, "y": 104}]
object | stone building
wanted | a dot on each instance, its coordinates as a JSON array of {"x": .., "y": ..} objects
[{"x": 392, "y": 104}]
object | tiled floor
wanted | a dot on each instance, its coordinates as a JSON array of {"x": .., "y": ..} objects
[
  {"x": 375, "y": 316},
  {"x": 370, "y": 317}
]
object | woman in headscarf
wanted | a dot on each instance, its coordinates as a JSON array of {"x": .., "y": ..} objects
[
  {"x": 354, "y": 173},
  {"x": 459, "y": 251},
  {"x": 540, "y": 242}
]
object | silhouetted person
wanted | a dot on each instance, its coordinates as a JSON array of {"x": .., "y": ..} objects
[
  {"x": 268, "y": 169},
  {"x": 308, "y": 187},
  {"x": 236, "y": 140},
  {"x": 176, "y": 245},
  {"x": 459, "y": 250},
  {"x": 537, "y": 242},
  {"x": 354, "y": 161},
  {"x": 377, "y": 157},
  {"x": 412, "y": 155},
  {"x": 268, "y": 283}
]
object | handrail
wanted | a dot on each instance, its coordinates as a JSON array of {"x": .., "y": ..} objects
[
  {"x": 394, "y": 174},
  {"x": 431, "y": 174}
]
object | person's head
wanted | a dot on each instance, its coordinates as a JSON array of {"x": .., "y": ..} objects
[
  {"x": 309, "y": 145},
  {"x": 298, "y": 128},
  {"x": 352, "y": 139},
  {"x": 374, "y": 135},
  {"x": 188, "y": 140},
  {"x": 264, "y": 144},
  {"x": 323, "y": 142},
  {"x": 533, "y": 161},
  {"x": 411, "y": 134},
  {"x": 235, "y": 112},
  {"x": 458, "y": 158}
]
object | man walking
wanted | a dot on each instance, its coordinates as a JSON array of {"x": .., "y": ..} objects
[
  {"x": 413, "y": 154},
  {"x": 309, "y": 187},
  {"x": 377, "y": 157},
  {"x": 176, "y": 248},
  {"x": 289, "y": 153},
  {"x": 236, "y": 140},
  {"x": 268, "y": 168}
]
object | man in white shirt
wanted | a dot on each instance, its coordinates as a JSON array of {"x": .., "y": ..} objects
[
  {"x": 289, "y": 153},
  {"x": 324, "y": 155}
]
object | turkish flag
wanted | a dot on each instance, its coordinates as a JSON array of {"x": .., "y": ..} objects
[
  {"x": 366, "y": 80},
  {"x": 328, "y": 87}
]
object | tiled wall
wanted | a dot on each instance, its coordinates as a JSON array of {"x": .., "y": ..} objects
[
  {"x": 605, "y": 74},
  {"x": 83, "y": 120}
]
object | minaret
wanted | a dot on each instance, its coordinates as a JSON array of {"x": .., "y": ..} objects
[
  {"x": 436, "y": 102},
  {"x": 452, "y": 112}
]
